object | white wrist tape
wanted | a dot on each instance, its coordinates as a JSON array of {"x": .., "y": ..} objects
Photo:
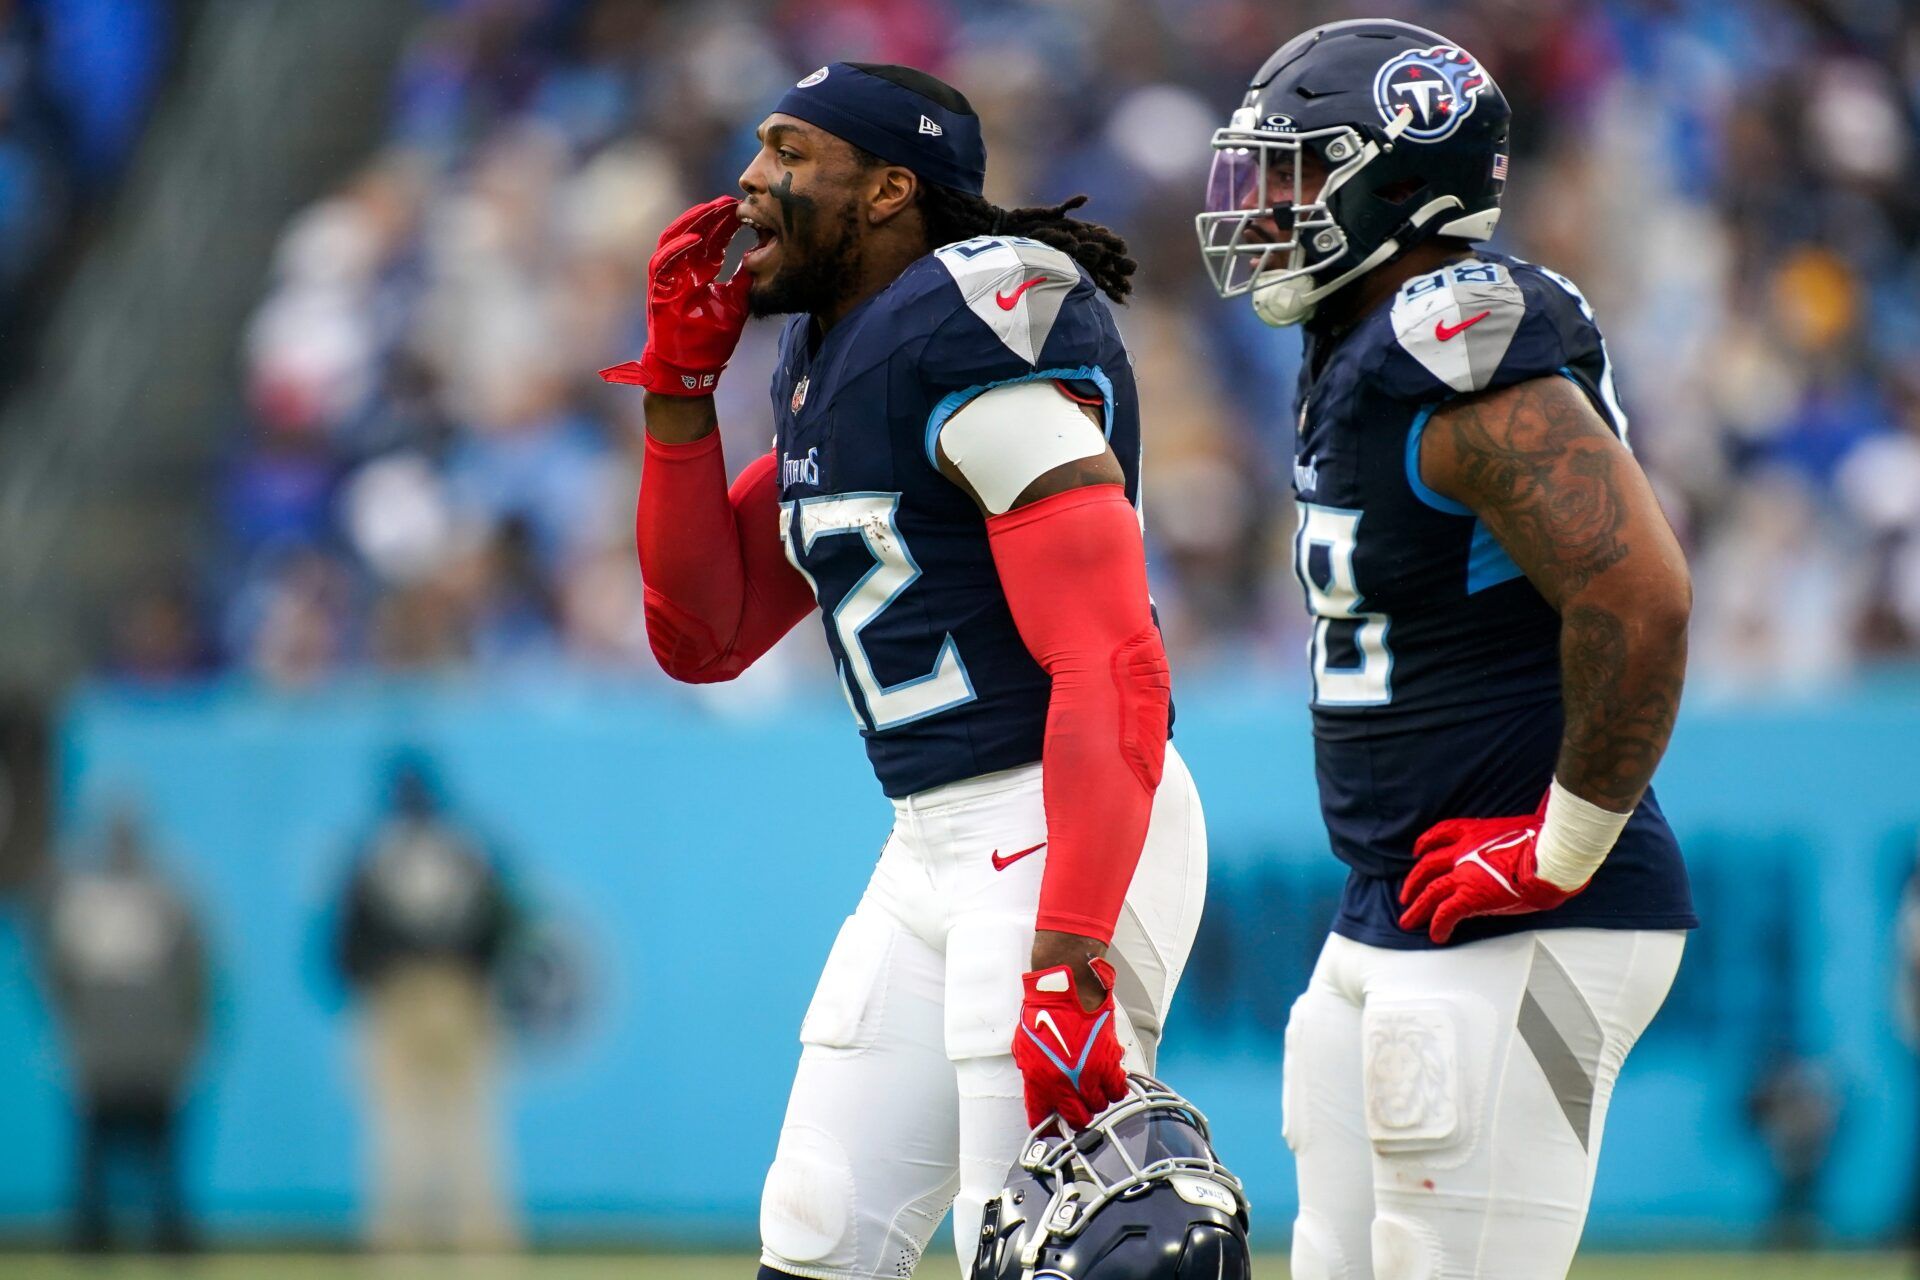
[{"x": 1575, "y": 838}]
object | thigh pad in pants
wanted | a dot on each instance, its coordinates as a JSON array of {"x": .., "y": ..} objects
[
  {"x": 844, "y": 1012},
  {"x": 1421, "y": 1077}
]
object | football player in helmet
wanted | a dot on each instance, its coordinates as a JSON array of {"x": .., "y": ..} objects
[
  {"x": 1137, "y": 1195},
  {"x": 1499, "y": 637},
  {"x": 953, "y": 483}
]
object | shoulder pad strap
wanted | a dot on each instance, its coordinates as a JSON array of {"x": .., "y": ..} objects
[
  {"x": 1459, "y": 321},
  {"x": 1016, "y": 286}
]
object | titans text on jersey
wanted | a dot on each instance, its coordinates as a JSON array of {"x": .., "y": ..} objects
[
  {"x": 938, "y": 678},
  {"x": 1435, "y": 663}
]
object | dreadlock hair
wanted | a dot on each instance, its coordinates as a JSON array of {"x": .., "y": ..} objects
[
  {"x": 956, "y": 215},
  {"x": 952, "y": 215}
]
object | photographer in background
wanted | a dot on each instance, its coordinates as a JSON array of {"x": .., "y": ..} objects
[
  {"x": 423, "y": 928},
  {"x": 128, "y": 972}
]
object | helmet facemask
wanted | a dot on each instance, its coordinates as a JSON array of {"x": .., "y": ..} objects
[{"x": 1257, "y": 175}]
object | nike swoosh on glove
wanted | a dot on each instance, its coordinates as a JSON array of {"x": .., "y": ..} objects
[
  {"x": 694, "y": 319},
  {"x": 1069, "y": 1059},
  {"x": 1468, "y": 867}
]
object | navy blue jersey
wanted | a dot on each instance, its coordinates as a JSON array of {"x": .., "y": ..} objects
[
  {"x": 1436, "y": 664},
  {"x": 938, "y": 678}
]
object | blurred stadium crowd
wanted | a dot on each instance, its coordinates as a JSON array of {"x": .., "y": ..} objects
[
  {"x": 425, "y": 472},
  {"x": 76, "y": 79}
]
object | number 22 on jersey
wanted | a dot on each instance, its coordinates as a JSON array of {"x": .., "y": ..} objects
[
  {"x": 1323, "y": 552},
  {"x": 880, "y": 577}
]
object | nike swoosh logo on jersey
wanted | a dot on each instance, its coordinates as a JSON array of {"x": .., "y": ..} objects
[
  {"x": 1006, "y": 300},
  {"x": 1044, "y": 1018},
  {"x": 1001, "y": 864},
  {"x": 1443, "y": 331}
]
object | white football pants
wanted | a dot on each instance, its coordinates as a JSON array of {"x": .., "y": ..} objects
[
  {"x": 906, "y": 1100},
  {"x": 1445, "y": 1107}
]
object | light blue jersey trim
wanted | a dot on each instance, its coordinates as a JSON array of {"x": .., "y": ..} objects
[
  {"x": 1488, "y": 564},
  {"x": 1419, "y": 487},
  {"x": 953, "y": 402}
]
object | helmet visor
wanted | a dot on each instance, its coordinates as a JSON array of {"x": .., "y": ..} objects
[
  {"x": 1266, "y": 210},
  {"x": 1144, "y": 1139},
  {"x": 1248, "y": 218},
  {"x": 1260, "y": 182}
]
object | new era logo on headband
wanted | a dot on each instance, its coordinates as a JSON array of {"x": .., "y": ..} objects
[{"x": 904, "y": 117}]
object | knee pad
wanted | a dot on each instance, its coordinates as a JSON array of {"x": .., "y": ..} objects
[
  {"x": 1412, "y": 1076},
  {"x": 1316, "y": 1251},
  {"x": 1404, "y": 1249},
  {"x": 806, "y": 1208}
]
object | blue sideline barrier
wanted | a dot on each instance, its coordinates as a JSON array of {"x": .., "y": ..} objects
[{"x": 701, "y": 859}]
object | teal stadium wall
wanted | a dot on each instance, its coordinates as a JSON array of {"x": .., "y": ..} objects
[{"x": 700, "y": 858}]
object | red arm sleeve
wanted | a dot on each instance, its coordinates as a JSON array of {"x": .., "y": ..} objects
[
  {"x": 1075, "y": 575},
  {"x": 719, "y": 590}
]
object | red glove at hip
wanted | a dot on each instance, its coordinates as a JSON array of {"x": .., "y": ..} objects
[
  {"x": 1069, "y": 1059},
  {"x": 693, "y": 318},
  {"x": 1468, "y": 867}
]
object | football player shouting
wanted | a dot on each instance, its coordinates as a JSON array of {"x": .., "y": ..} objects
[
  {"x": 953, "y": 483},
  {"x": 1499, "y": 637}
]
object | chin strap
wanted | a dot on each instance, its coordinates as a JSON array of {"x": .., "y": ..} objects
[{"x": 1284, "y": 303}]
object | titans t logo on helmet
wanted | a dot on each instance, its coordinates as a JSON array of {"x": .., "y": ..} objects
[{"x": 1439, "y": 85}]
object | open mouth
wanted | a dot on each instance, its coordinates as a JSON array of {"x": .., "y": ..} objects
[{"x": 766, "y": 242}]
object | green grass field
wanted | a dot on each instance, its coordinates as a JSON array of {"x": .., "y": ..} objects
[{"x": 1663, "y": 1266}]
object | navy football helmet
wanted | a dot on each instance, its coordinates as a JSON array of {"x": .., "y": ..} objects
[
  {"x": 1412, "y": 134},
  {"x": 1136, "y": 1195}
]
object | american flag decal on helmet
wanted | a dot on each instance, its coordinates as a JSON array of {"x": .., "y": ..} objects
[{"x": 1499, "y": 167}]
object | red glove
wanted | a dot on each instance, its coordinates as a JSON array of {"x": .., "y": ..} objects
[
  {"x": 693, "y": 319},
  {"x": 1069, "y": 1059},
  {"x": 1476, "y": 867}
]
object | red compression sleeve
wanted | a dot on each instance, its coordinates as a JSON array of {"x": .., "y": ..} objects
[
  {"x": 1075, "y": 575},
  {"x": 719, "y": 589}
]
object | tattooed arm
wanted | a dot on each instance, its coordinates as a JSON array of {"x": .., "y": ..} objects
[{"x": 1567, "y": 501}]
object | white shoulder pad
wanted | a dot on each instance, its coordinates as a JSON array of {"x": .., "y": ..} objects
[
  {"x": 1004, "y": 439},
  {"x": 1014, "y": 284},
  {"x": 1459, "y": 321}
]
